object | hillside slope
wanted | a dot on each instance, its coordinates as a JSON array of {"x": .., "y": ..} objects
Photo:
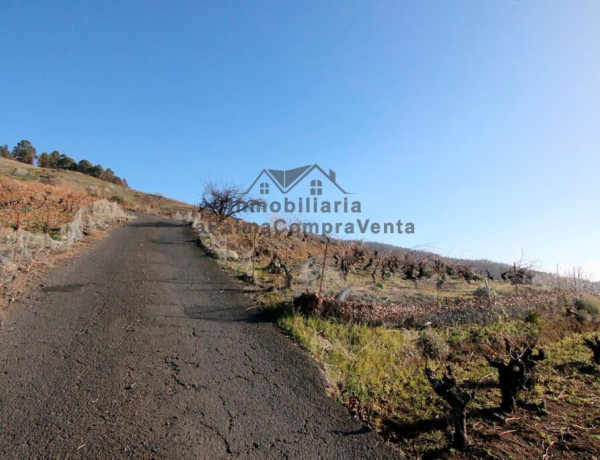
[
  {"x": 45, "y": 211},
  {"x": 129, "y": 199}
]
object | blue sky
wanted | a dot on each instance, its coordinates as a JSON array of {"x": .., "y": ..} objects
[{"x": 479, "y": 121}]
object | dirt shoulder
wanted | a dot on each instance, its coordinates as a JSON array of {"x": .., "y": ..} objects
[{"x": 18, "y": 289}]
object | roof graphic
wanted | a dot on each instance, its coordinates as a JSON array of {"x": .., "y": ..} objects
[{"x": 286, "y": 180}]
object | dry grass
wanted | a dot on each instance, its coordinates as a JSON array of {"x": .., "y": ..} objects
[
  {"x": 377, "y": 370},
  {"x": 82, "y": 184},
  {"x": 38, "y": 207}
]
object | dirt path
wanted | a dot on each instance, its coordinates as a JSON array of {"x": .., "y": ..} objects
[{"x": 143, "y": 348}]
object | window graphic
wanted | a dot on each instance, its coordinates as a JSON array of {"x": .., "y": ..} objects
[
  {"x": 316, "y": 187},
  {"x": 264, "y": 188}
]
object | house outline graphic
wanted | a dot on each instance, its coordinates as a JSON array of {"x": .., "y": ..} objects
[{"x": 287, "y": 180}]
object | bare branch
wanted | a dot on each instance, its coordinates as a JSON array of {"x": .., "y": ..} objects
[{"x": 227, "y": 200}]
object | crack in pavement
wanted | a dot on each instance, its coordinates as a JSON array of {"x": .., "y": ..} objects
[{"x": 164, "y": 357}]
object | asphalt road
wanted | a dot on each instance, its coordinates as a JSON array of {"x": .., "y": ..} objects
[{"x": 142, "y": 347}]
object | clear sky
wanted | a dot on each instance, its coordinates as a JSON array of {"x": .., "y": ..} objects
[{"x": 479, "y": 121}]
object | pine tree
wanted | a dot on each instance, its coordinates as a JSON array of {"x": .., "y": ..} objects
[
  {"x": 84, "y": 166},
  {"x": 108, "y": 175},
  {"x": 55, "y": 159},
  {"x": 25, "y": 152},
  {"x": 96, "y": 171},
  {"x": 5, "y": 152},
  {"x": 44, "y": 161},
  {"x": 66, "y": 162}
]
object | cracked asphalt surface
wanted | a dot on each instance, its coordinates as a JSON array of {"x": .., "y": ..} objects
[{"x": 142, "y": 347}]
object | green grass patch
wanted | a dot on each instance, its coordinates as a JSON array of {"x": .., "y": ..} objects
[{"x": 382, "y": 369}]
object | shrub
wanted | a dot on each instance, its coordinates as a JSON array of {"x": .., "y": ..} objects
[
  {"x": 481, "y": 291},
  {"x": 93, "y": 190},
  {"x": 533, "y": 317},
  {"x": 588, "y": 305},
  {"x": 583, "y": 317},
  {"x": 431, "y": 345}
]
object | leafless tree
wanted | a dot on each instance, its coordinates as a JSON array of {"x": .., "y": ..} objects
[
  {"x": 520, "y": 273},
  {"x": 581, "y": 278},
  {"x": 226, "y": 200}
]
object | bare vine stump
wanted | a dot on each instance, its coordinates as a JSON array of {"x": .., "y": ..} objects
[
  {"x": 516, "y": 375},
  {"x": 276, "y": 265},
  {"x": 289, "y": 278},
  {"x": 273, "y": 266},
  {"x": 594, "y": 345},
  {"x": 457, "y": 400}
]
